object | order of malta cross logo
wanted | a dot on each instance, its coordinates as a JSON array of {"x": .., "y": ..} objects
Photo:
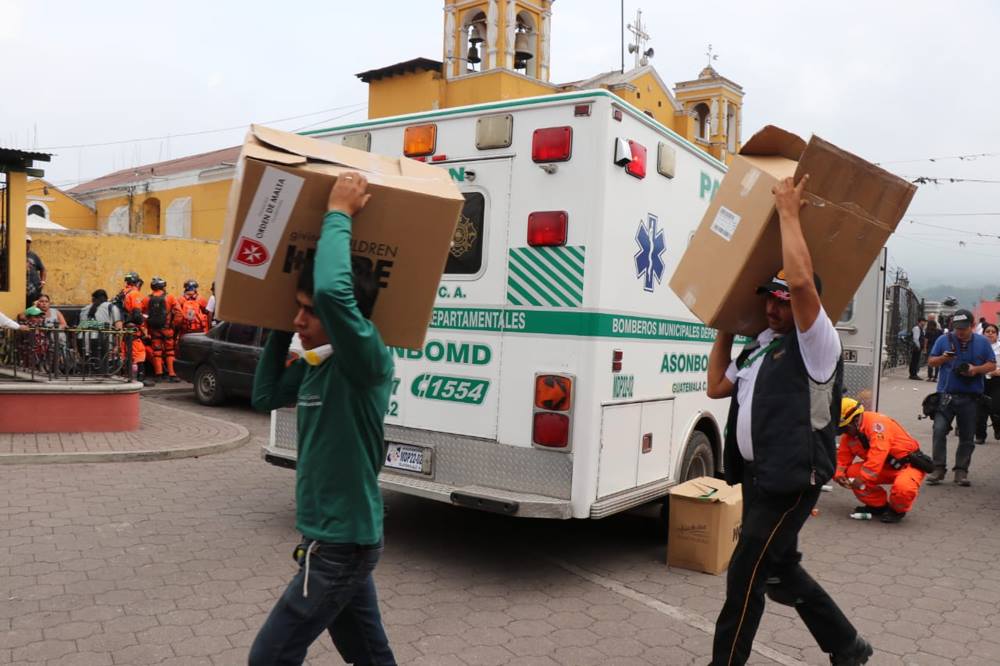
[
  {"x": 649, "y": 258},
  {"x": 250, "y": 252}
]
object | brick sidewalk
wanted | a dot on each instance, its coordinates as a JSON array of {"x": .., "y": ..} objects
[{"x": 163, "y": 429}]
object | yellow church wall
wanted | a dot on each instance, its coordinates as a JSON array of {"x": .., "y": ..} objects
[
  {"x": 492, "y": 86},
  {"x": 62, "y": 208},
  {"x": 78, "y": 262},
  {"x": 208, "y": 209},
  {"x": 12, "y": 298},
  {"x": 409, "y": 93},
  {"x": 650, "y": 96}
]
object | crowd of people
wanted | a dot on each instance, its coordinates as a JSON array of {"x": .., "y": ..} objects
[{"x": 157, "y": 320}]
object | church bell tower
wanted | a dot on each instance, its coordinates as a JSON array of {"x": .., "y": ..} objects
[{"x": 484, "y": 35}]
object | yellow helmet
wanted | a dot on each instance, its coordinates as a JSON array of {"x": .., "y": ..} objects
[{"x": 849, "y": 408}]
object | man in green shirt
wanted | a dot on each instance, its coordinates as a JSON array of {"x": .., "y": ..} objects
[{"x": 341, "y": 390}]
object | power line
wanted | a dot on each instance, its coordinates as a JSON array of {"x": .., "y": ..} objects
[
  {"x": 970, "y": 157},
  {"x": 200, "y": 132},
  {"x": 935, "y": 180},
  {"x": 327, "y": 120},
  {"x": 954, "y": 231},
  {"x": 951, "y": 214}
]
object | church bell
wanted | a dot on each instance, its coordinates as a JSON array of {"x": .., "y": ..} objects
[{"x": 523, "y": 49}]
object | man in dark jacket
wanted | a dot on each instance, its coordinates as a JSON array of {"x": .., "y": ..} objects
[{"x": 780, "y": 444}]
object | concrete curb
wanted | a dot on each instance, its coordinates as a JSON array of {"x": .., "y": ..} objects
[
  {"x": 168, "y": 389},
  {"x": 153, "y": 455}
]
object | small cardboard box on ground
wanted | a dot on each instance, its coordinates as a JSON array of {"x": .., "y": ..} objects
[
  {"x": 853, "y": 207},
  {"x": 705, "y": 519},
  {"x": 275, "y": 215}
]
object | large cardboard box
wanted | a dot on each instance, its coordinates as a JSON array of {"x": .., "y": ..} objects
[
  {"x": 705, "y": 522},
  {"x": 275, "y": 215},
  {"x": 853, "y": 207}
]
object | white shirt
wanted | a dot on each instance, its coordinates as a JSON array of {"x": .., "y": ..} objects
[
  {"x": 916, "y": 334},
  {"x": 210, "y": 306},
  {"x": 105, "y": 313},
  {"x": 7, "y": 322},
  {"x": 820, "y": 349}
]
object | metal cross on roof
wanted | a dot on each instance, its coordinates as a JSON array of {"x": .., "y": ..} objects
[
  {"x": 640, "y": 37},
  {"x": 711, "y": 56}
]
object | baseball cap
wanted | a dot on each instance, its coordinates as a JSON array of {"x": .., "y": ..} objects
[
  {"x": 961, "y": 319},
  {"x": 27, "y": 237},
  {"x": 777, "y": 286},
  {"x": 33, "y": 311}
]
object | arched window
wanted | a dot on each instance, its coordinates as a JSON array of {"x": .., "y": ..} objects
[
  {"x": 39, "y": 210},
  {"x": 151, "y": 216},
  {"x": 703, "y": 116}
]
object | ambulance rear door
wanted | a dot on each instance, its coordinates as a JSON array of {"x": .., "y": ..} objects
[{"x": 451, "y": 385}]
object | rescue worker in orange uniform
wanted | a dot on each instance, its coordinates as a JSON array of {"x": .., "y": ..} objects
[
  {"x": 133, "y": 327},
  {"x": 131, "y": 298},
  {"x": 888, "y": 457},
  {"x": 191, "y": 312},
  {"x": 159, "y": 307}
]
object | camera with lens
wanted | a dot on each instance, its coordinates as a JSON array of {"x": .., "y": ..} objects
[{"x": 963, "y": 368}]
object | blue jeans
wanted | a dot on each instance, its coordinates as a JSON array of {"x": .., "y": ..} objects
[
  {"x": 333, "y": 591},
  {"x": 961, "y": 407}
]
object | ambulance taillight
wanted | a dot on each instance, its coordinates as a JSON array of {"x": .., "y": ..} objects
[
  {"x": 617, "y": 356},
  {"x": 547, "y": 228},
  {"x": 553, "y": 406},
  {"x": 637, "y": 167},
  {"x": 551, "y": 430},
  {"x": 419, "y": 140},
  {"x": 552, "y": 144}
]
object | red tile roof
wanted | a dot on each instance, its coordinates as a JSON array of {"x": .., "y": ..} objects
[{"x": 170, "y": 167}]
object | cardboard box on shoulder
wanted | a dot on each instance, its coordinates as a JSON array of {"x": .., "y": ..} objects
[
  {"x": 275, "y": 215},
  {"x": 852, "y": 209},
  {"x": 706, "y": 515}
]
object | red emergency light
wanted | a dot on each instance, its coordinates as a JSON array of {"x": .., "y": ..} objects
[
  {"x": 552, "y": 144},
  {"x": 637, "y": 167},
  {"x": 547, "y": 228}
]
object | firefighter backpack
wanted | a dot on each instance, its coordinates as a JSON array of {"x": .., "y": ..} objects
[
  {"x": 157, "y": 312},
  {"x": 193, "y": 320}
]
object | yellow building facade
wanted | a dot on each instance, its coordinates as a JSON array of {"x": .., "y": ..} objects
[{"x": 15, "y": 167}]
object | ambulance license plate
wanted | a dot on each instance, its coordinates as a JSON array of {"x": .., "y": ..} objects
[{"x": 408, "y": 458}]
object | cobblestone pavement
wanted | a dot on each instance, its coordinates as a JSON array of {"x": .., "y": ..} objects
[
  {"x": 162, "y": 428},
  {"x": 178, "y": 562}
]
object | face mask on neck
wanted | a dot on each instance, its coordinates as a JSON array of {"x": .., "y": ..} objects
[{"x": 317, "y": 355}]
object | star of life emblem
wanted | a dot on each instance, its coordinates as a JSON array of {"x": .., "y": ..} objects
[{"x": 649, "y": 259}]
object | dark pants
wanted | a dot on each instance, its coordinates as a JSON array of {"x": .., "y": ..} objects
[
  {"x": 341, "y": 599},
  {"x": 989, "y": 413},
  {"x": 914, "y": 360},
  {"x": 766, "y": 559},
  {"x": 962, "y": 407}
]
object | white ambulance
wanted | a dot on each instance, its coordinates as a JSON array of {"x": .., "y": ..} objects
[{"x": 561, "y": 377}]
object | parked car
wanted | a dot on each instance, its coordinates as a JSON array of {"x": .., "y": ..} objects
[{"x": 220, "y": 363}]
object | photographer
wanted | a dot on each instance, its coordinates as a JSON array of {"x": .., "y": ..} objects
[{"x": 964, "y": 358}]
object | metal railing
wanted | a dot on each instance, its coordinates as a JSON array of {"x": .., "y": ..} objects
[{"x": 67, "y": 353}]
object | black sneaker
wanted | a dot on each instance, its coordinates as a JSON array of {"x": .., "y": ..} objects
[
  {"x": 891, "y": 516},
  {"x": 981, "y": 440},
  {"x": 874, "y": 510},
  {"x": 857, "y": 654}
]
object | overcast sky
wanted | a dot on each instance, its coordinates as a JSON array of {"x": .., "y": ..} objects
[{"x": 892, "y": 81}]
